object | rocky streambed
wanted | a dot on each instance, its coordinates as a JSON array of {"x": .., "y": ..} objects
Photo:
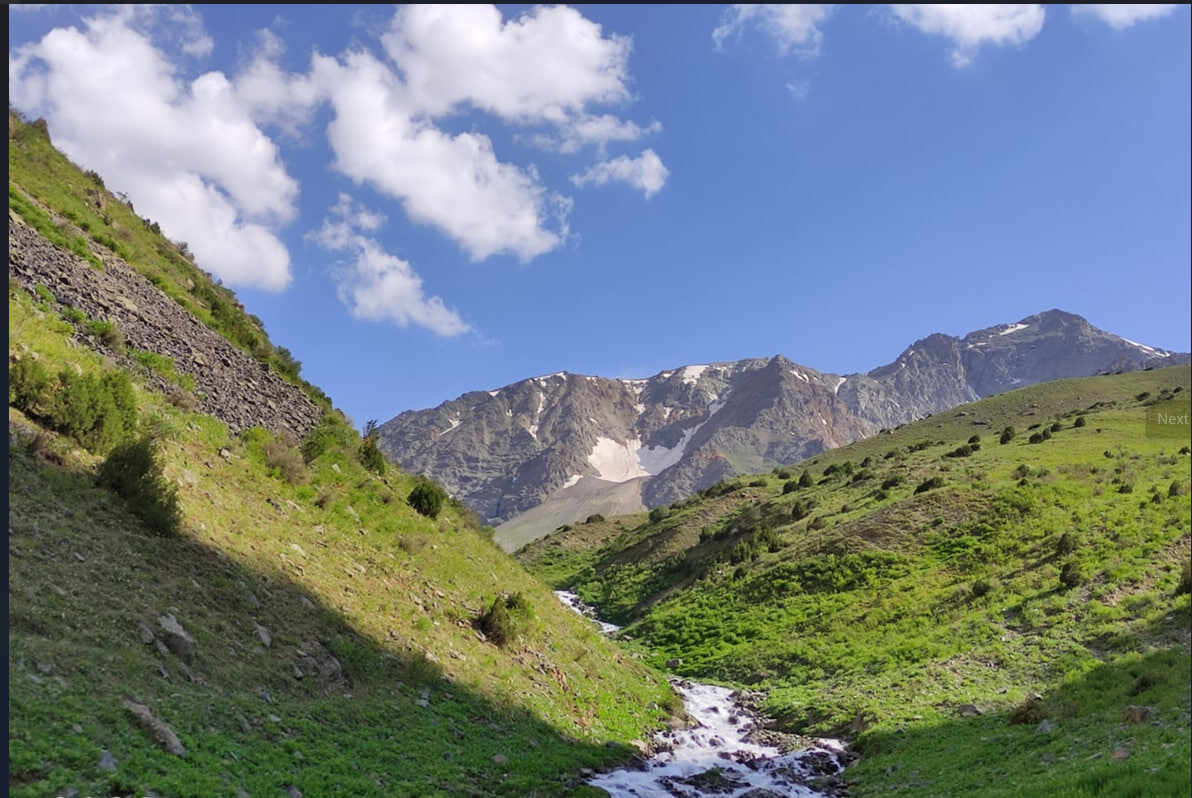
[{"x": 722, "y": 752}]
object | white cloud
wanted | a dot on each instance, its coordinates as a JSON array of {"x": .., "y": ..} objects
[
  {"x": 187, "y": 154},
  {"x": 455, "y": 183},
  {"x": 376, "y": 285},
  {"x": 646, "y": 172},
  {"x": 546, "y": 65},
  {"x": 1124, "y": 15},
  {"x": 970, "y": 26},
  {"x": 593, "y": 129},
  {"x": 793, "y": 27}
]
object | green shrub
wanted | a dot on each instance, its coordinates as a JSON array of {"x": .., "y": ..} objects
[
  {"x": 1185, "y": 585},
  {"x": 979, "y": 588},
  {"x": 28, "y": 386},
  {"x": 594, "y": 518},
  {"x": 331, "y": 434},
  {"x": 963, "y": 450},
  {"x": 107, "y": 332},
  {"x": 1037, "y": 438},
  {"x": 1056, "y": 427},
  {"x": 98, "y": 412},
  {"x": 284, "y": 457},
  {"x": 757, "y": 483},
  {"x": 370, "y": 455},
  {"x": 805, "y": 479},
  {"x": 427, "y": 498},
  {"x": 657, "y": 514},
  {"x": 880, "y": 495},
  {"x": 1007, "y": 435},
  {"x": 507, "y": 619},
  {"x": 975, "y": 439},
  {"x": 782, "y": 473},
  {"x": 1072, "y": 574},
  {"x": 790, "y": 486},
  {"x": 929, "y": 484},
  {"x": 800, "y": 510},
  {"x": 1066, "y": 544},
  {"x": 133, "y": 471},
  {"x": 1080, "y": 422},
  {"x": 891, "y": 482}
]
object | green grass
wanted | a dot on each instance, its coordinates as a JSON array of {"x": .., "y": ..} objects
[
  {"x": 332, "y": 562},
  {"x": 881, "y": 608}
]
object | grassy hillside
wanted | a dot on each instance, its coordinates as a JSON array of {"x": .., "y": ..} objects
[
  {"x": 329, "y": 637},
  {"x": 915, "y": 591}
]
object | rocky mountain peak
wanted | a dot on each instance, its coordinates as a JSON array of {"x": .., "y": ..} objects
[{"x": 660, "y": 438}]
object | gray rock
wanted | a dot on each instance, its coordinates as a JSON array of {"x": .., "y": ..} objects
[
  {"x": 146, "y": 634},
  {"x": 159, "y": 731},
  {"x": 177, "y": 639},
  {"x": 107, "y": 761},
  {"x": 263, "y": 635},
  {"x": 1044, "y": 727},
  {"x": 500, "y": 759}
]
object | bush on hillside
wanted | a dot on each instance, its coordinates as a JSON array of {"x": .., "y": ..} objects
[
  {"x": 133, "y": 471},
  {"x": 1006, "y": 436},
  {"x": 805, "y": 479},
  {"x": 594, "y": 518},
  {"x": 929, "y": 484},
  {"x": 1072, "y": 574},
  {"x": 1056, "y": 427},
  {"x": 427, "y": 498},
  {"x": 283, "y": 455},
  {"x": 790, "y": 486},
  {"x": 1080, "y": 422},
  {"x": 332, "y": 433},
  {"x": 782, "y": 473},
  {"x": 1066, "y": 544},
  {"x": 975, "y": 439},
  {"x": 891, "y": 482},
  {"x": 657, "y": 514},
  {"x": 757, "y": 483},
  {"x": 28, "y": 386},
  {"x": 507, "y": 619},
  {"x": 370, "y": 454},
  {"x": 1185, "y": 585},
  {"x": 97, "y": 411}
]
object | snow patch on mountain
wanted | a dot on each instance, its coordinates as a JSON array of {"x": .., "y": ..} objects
[
  {"x": 617, "y": 462},
  {"x": 691, "y": 374},
  {"x": 840, "y": 381},
  {"x": 571, "y": 480},
  {"x": 1014, "y": 328}
]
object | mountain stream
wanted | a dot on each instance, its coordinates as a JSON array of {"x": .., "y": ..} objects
[{"x": 718, "y": 755}]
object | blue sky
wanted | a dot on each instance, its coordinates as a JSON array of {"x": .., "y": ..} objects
[{"x": 423, "y": 202}]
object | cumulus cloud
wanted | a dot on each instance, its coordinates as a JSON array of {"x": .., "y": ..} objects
[
  {"x": 970, "y": 26},
  {"x": 792, "y": 27},
  {"x": 646, "y": 172},
  {"x": 548, "y": 64},
  {"x": 546, "y": 68},
  {"x": 1122, "y": 16},
  {"x": 187, "y": 154},
  {"x": 377, "y": 285}
]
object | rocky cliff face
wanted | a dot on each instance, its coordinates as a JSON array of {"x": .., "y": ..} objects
[
  {"x": 229, "y": 384},
  {"x": 507, "y": 450}
]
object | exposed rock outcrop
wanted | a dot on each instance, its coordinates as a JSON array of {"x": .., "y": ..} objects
[{"x": 229, "y": 384}]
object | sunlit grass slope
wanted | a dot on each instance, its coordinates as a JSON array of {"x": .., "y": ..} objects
[
  {"x": 335, "y": 650},
  {"x": 915, "y": 589}
]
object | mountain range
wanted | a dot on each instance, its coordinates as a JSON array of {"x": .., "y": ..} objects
[{"x": 551, "y": 449}]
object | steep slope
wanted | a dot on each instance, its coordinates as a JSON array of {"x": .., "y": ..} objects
[
  {"x": 297, "y": 626},
  {"x": 917, "y": 587},
  {"x": 507, "y": 450}
]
